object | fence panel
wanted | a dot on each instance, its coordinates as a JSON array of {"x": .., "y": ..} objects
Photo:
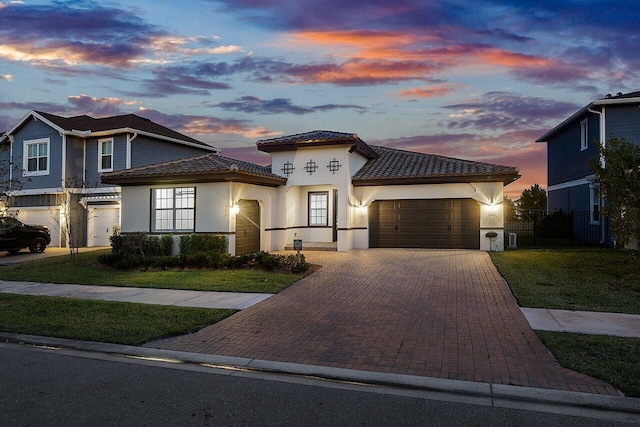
[{"x": 538, "y": 228}]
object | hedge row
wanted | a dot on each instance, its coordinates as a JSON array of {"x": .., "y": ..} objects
[{"x": 196, "y": 250}]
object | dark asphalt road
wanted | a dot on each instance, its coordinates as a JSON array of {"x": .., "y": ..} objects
[{"x": 54, "y": 387}]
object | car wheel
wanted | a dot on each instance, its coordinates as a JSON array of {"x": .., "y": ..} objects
[{"x": 37, "y": 245}]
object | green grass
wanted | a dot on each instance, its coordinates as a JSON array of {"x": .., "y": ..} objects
[
  {"x": 112, "y": 322},
  {"x": 611, "y": 359},
  {"x": 87, "y": 270},
  {"x": 585, "y": 279}
]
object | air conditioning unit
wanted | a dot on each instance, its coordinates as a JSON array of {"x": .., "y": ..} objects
[{"x": 513, "y": 240}]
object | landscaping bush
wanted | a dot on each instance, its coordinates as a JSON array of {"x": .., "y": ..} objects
[
  {"x": 194, "y": 243},
  {"x": 196, "y": 250}
]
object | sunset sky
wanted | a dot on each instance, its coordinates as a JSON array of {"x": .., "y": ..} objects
[{"x": 475, "y": 80}]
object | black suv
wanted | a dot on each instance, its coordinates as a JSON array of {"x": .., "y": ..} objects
[{"x": 15, "y": 235}]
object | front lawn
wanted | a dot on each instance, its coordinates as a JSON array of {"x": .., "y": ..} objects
[
  {"x": 612, "y": 359},
  {"x": 583, "y": 279},
  {"x": 112, "y": 322},
  {"x": 86, "y": 270}
]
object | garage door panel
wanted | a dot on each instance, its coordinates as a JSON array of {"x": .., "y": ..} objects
[
  {"x": 47, "y": 217},
  {"x": 425, "y": 223}
]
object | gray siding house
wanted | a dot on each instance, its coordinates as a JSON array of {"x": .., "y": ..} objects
[
  {"x": 58, "y": 162},
  {"x": 571, "y": 186}
]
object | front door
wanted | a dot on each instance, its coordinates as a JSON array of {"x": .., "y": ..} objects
[{"x": 248, "y": 227}]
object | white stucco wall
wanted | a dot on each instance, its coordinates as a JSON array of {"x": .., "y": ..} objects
[{"x": 283, "y": 210}]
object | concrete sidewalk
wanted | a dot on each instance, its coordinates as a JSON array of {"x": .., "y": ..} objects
[
  {"x": 583, "y": 322},
  {"x": 580, "y": 322},
  {"x": 178, "y": 298}
]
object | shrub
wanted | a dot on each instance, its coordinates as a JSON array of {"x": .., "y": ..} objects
[
  {"x": 136, "y": 249},
  {"x": 194, "y": 243}
]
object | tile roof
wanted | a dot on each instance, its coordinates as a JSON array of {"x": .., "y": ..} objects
[
  {"x": 411, "y": 167},
  {"x": 316, "y": 138},
  {"x": 130, "y": 121},
  {"x": 621, "y": 95},
  {"x": 210, "y": 167}
]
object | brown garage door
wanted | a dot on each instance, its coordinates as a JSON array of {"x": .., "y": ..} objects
[
  {"x": 248, "y": 227},
  {"x": 428, "y": 223}
]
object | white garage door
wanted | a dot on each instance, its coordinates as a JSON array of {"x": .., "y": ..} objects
[
  {"x": 101, "y": 222},
  {"x": 49, "y": 217}
]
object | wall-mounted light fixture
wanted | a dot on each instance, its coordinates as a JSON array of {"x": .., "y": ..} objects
[
  {"x": 235, "y": 209},
  {"x": 361, "y": 210}
]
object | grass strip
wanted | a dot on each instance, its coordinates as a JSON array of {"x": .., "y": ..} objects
[
  {"x": 87, "y": 270},
  {"x": 110, "y": 322},
  {"x": 585, "y": 279},
  {"x": 615, "y": 360}
]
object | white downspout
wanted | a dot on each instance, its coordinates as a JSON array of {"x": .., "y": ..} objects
[
  {"x": 603, "y": 164},
  {"x": 64, "y": 160},
  {"x": 11, "y": 165},
  {"x": 130, "y": 138}
]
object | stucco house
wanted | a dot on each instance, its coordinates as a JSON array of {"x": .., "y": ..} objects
[
  {"x": 329, "y": 189},
  {"x": 571, "y": 185},
  {"x": 58, "y": 162}
]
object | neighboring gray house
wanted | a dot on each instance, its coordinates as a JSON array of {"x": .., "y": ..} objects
[
  {"x": 571, "y": 185},
  {"x": 58, "y": 162}
]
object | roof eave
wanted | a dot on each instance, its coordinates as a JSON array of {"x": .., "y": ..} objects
[
  {"x": 580, "y": 112},
  {"x": 609, "y": 101},
  {"x": 506, "y": 179},
  {"x": 37, "y": 116},
  {"x": 235, "y": 176},
  {"x": 85, "y": 134}
]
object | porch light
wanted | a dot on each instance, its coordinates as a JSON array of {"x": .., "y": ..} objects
[
  {"x": 235, "y": 209},
  {"x": 361, "y": 210},
  {"x": 493, "y": 208}
]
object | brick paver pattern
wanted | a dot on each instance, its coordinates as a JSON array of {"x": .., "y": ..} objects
[{"x": 435, "y": 313}]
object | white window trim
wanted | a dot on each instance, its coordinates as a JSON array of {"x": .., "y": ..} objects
[
  {"x": 584, "y": 134},
  {"x": 100, "y": 155},
  {"x": 593, "y": 202},
  {"x": 25, "y": 159},
  {"x": 154, "y": 210},
  {"x": 309, "y": 210}
]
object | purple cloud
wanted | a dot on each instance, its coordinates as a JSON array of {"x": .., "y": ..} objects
[
  {"x": 506, "y": 110},
  {"x": 252, "y": 104}
]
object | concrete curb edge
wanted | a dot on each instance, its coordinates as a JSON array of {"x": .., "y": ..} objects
[{"x": 497, "y": 394}]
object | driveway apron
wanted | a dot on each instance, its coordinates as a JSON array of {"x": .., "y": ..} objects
[{"x": 435, "y": 313}]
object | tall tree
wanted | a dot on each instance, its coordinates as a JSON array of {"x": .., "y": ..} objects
[
  {"x": 618, "y": 171},
  {"x": 533, "y": 202}
]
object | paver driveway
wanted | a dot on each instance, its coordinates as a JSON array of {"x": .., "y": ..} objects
[{"x": 436, "y": 313}]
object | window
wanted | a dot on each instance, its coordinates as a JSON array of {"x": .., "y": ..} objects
[
  {"x": 318, "y": 209},
  {"x": 105, "y": 155},
  {"x": 595, "y": 204},
  {"x": 174, "y": 209},
  {"x": 36, "y": 157},
  {"x": 584, "y": 134}
]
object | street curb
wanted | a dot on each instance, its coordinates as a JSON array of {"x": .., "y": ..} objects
[{"x": 498, "y": 395}]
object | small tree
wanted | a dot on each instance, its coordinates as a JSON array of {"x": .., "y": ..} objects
[
  {"x": 509, "y": 209},
  {"x": 533, "y": 202},
  {"x": 618, "y": 171},
  {"x": 10, "y": 176}
]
